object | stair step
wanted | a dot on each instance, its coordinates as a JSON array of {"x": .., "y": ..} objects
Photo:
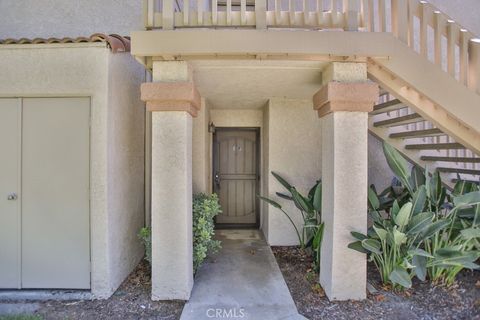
[
  {"x": 451, "y": 159},
  {"x": 388, "y": 106},
  {"x": 383, "y": 92},
  {"x": 409, "y": 118},
  {"x": 472, "y": 181},
  {"x": 434, "y": 146},
  {"x": 417, "y": 134},
  {"x": 459, "y": 170}
]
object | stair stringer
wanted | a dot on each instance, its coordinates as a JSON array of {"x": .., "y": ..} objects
[{"x": 453, "y": 119}]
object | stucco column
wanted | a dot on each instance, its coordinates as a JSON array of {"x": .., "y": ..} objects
[
  {"x": 173, "y": 100},
  {"x": 343, "y": 104}
]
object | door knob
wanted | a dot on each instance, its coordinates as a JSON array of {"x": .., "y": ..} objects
[
  {"x": 12, "y": 196},
  {"x": 217, "y": 180}
]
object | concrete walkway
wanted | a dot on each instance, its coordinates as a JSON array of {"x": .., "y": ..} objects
[{"x": 242, "y": 281}]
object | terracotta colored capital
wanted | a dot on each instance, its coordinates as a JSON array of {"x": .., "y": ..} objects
[
  {"x": 345, "y": 96},
  {"x": 171, "y": 96}
]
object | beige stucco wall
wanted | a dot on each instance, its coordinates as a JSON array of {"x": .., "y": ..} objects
[
  {"x": 68, "y": 18},
  {"x": 293, "y": 145},
  {"x": 64, "y": 70},
  {"x": 125, "y": 164},
  {"x": 200, "y": 150},
  {"x": 379, "y": 173}
]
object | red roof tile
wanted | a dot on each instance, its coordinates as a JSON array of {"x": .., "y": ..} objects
[{"x": 115, "y": 42}]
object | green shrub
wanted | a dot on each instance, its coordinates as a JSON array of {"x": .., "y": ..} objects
[
  {"x": 419, "y": 229},
  {"x": 145, "y": 235},
  {"x": 310, "y": 207},
  {"x": 205, "y": 208}
]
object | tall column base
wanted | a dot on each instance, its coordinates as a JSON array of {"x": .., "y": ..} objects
[
  {"x": 343, "y": 103},
  {"x": 344, "y": 203},
  {"x": 172, "y": 248}
]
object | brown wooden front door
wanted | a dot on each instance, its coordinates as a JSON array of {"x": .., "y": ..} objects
[{"x": 235, "y": 163}]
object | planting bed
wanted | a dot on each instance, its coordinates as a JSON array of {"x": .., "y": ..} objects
[{"x": 423, "y": 301}]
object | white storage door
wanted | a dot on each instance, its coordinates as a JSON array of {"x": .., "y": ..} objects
[
  {"x": 55, "y": 193},
  {"x": 9, "y": 193}
]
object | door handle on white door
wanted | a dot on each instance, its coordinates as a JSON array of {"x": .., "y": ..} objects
[{"x": 12, "y": 196}]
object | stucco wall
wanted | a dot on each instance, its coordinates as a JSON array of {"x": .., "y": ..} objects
[
  {"x": 200, "y": 151},
  {"x": 294, "y": 151},
  {"x": 379, "y": 172},
  {"x": 68, "y": 18},
  {"x": 63, "y": 70},
  {"x": 125, "y": 159}
]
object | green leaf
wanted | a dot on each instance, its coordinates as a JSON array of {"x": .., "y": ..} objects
[
  {"x": 382, "y": 233},
  {"x": 401, "y": 277},
  {"x": 399, "y": 238},
  {"x": 420, "y": 252},
  {"x": 462, "y": 187},
  {"x": 467, "y": 199},
  {"x": 417, "y": 177},
  {"x": 284, "y": 196},
  {"x": 358, "y": 235},
  {"x": 470, "y": 233},
  {"x": 398, "y": 164},
  {"x": 357, "y": 246},
  {"x": 301, "y": 202},
  {"x": 270, "y": 202},
  {"x": 420, "y": 266},
  {"x": 373, "y": 199},
  {"x": 372, "y": 245},
  {"x": 446, "y": 257},
  {"x": 282, "y": 181},
  {"x": 420, "y": 222},
  {"x": 317, "y": 197},
  {"x": 434, "y": 228},
  {"x": 317, "y": 239},
  {"x": 437, "y": 191},
  {"x": 395, "y": 208},
  {"x": 403, "y": 216},
  {"x": 419, "y": 200}
]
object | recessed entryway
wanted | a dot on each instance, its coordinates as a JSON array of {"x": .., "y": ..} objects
[
  {"x": 236, "y": 176},
  {"x": 44, "y": 193}
]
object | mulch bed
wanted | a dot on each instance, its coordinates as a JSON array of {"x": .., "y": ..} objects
[
  {"x": 423, "y": 301},
  {"x": 130, "y": 301}
]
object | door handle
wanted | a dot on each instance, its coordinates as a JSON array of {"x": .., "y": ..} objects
[
  {"x": 12, "y": 196},
  {"x": 217, "y": 180}
]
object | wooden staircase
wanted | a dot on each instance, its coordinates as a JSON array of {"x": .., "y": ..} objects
[{"x": 421, "y": 142}]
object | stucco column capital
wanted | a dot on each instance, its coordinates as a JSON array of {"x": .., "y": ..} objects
[
  {"x": 171, "y": 96},
  {"x": 345, "y": 96}
]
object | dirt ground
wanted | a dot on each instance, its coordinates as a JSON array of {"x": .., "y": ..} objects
[
  {"x": 423, "y": 301},
  {"x": 130, "y": 301}
]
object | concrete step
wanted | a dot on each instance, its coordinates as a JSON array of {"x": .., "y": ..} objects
[
  {"x": 388, "y": 106},
  {"x": 451, "y": 159},
  {"x": 417, "y": 134},
  {"x": 409, "y": 118},
  {"x": 434, "y": 146},
  {"x": 459, "y": 170}
]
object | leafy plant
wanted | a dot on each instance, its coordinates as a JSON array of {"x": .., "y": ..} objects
[
  {"x": 418, "y": 228},
  {"x": 145, "y": 235},
  {"x": 205, "y": 208},
  {"x": 310, "y": 236}
]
